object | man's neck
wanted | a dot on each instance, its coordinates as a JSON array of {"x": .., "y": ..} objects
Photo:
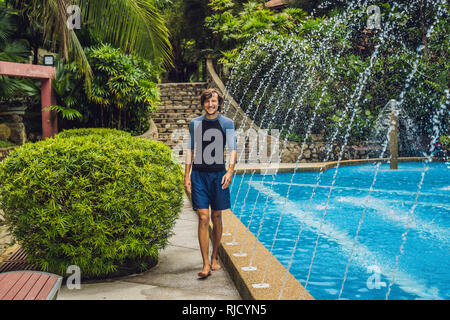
[{"x": 211, "y": 116}]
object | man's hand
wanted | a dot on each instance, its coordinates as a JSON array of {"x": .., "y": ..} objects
[
  {"x": 226, "y": 179},
  {"x": 187, "y": 185}
]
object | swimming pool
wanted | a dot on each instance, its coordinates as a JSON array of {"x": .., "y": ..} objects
[{"x": 393, "y": 220}]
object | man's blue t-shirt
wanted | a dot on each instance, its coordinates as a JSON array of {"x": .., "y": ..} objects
[{"x": 207, "y": 137}]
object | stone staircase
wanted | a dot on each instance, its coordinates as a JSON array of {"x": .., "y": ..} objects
[{"x": 180, "y": 103}]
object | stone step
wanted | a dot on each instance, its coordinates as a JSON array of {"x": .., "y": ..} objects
[
  {"x": 183, "y": 101},
  {"x": 186, "y": 112},
  {"x": 176, "y": 115},
  {"x": 162, "y": 122},
  {"x": 163, "y": 107},
  {"x": 179, "y": 122},
  {"x": 180, "y": 106},
  {"x": 167, "y": 135},
  {"x": 171, "y": 129},
  {"x": 181, "y": 84}
]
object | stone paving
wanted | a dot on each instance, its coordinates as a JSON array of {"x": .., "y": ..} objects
[{"x": 173, "y": 278}]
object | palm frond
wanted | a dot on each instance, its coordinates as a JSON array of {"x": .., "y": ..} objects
[
  {"x": 15, "y": 51},
  {"x": 136, "y": 26},
  {"x": 66, "y": 113}
]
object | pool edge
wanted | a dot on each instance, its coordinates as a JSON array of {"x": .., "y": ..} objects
[
  {"x": 317, "y": 166},
  {"x": 260, "y": 257}
]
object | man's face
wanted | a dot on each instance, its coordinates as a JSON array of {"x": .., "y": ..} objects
[{"x": 211, "y": 105}]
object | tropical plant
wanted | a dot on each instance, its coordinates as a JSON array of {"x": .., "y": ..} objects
[
  {"x": 135, "y": 26},
  {"x": 189, "y": 38},
  {"x": 445, "y": 140},
  {"x": 13, "y": 49},
  {"x": 105, "y": 202},
  {"x": 66, "y": 113},
  {"x": 123, "y": 91},
  {"x": 236, "y": 25}
]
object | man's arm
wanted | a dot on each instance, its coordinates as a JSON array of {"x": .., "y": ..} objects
[
  {"x": 188, "y": 160},
  {"x": 233, "y": 160},
  {"x": 187, "y": 172},
  {"x": 231, "y": 143}
]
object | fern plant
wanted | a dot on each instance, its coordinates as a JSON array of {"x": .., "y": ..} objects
[{"x": 66, "y": 113}]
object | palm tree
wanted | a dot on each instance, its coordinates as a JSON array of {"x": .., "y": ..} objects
[
  {"x": 135, "y": 26},
  {"x": 13, "y": 49}
]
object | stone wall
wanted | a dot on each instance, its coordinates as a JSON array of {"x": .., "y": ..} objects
[
  {"x": 317, "y": 152},
  {"x": 12, "y": 128}
]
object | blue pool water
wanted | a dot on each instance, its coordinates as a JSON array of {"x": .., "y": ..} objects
[{"x": 423, "y": 270}]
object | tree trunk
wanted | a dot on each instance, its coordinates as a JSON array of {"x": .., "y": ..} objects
[
  {"x": 120, "y": 118},
  {"x": 125, "y": 118},
  {"x": 36, "y": 55}
]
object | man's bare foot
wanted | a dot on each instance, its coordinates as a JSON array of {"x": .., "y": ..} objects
[
  {"x": 206, "y": 271},
  {"x": 215, "y": 265}
]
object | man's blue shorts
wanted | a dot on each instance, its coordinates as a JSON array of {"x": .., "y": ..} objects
[{"x": 207, "y": 190}]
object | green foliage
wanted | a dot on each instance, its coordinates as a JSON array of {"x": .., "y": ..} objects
[
  {"x": 236, "y": 25},
  {"x": 123, "y": 93},
  {"x": 6, "y": 143},
  {"x": 101, "y": 201},
  {"x": 324, "y": 64},
  {"x": 134, "y": 26},
  {"x": 103, "y": 132},
  {"x": 445, "y": 141},
  {"x": 11, "y": 48},
  {"x": 66, "y": 113},
  {"x": 318, "y": 7},
  {"x": 188, "y": 36},
  {"x": 14, "y": 49}
]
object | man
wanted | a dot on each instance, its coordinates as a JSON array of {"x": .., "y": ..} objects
[{"x": 209, "y": 181}]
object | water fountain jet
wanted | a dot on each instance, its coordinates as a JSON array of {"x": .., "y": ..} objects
[{"x": 393, "y": 134}]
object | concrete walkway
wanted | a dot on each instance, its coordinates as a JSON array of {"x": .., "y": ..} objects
[{"x": 173, "y": 278}]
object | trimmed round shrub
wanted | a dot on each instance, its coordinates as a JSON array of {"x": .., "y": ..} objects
[
  {"x": 104, "y": 203},
  {"x": 104, "y": 132}
]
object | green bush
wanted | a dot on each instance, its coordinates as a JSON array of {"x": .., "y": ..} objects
[
  {"x": 105, "y": 204},
  {"x": 6, "y": 143},
  {"x": 445, "y": 141},
  {"x": 104, "y": 132}
]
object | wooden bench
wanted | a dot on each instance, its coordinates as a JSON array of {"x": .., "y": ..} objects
[{"x": 29, "y": 285}]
